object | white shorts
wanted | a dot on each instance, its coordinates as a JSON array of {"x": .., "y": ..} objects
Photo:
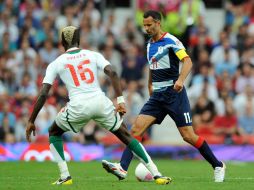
[{"x": 76, "y": 114}]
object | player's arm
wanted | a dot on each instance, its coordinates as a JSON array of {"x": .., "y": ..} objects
[
  {"x": 115, "y": 81},
  {"x": 186, "y": 68},
  {"x": 48, "y": 80},
  {"x": 41, "y": 99},
  {"x": 150, "y": 86}
]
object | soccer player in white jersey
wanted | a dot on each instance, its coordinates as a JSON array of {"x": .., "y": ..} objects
[
  {"x": 167, "y": 96},
  {"x": 77, "y": 68}
]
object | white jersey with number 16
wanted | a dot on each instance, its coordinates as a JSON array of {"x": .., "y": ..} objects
[{"x": 78, "y": 70}]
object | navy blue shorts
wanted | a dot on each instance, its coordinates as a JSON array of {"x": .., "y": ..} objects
[{"x": 176, "y": 105}]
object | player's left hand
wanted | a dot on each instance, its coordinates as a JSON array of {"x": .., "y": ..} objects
[
  {"x": 30, "y": 128},
  {"x": 178, "y": 86},
  {"x": 121, "y": 108}
]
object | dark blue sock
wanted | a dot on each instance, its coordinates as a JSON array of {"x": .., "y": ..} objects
[
  {"x": 126, "y": 158},
  {"x": 207, "y": 153}
]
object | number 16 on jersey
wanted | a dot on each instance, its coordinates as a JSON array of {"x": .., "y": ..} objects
[{"x": 83, "y": 72}]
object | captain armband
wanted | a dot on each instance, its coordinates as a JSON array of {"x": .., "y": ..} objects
[{"x": 181, "y": 54}]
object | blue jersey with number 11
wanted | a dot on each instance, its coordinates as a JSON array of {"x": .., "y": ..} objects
[{"x": 163, "y": 57}]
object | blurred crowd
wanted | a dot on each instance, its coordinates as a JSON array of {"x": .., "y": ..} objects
[{"x": 220, "y": 87}]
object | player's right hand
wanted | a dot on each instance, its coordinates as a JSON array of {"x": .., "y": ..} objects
[
  {"x": 30, "y": 128},
  {"x": 178, "y": 86},
  {"x": 121, "y": 108}
]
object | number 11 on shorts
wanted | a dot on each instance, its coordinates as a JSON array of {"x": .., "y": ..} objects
[{"x": 187, "y": 117}]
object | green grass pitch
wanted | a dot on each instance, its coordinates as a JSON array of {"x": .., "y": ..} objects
[{"x": 187, "y": 175}]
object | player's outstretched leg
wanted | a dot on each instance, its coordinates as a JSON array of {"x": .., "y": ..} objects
[
  {"x": 56, "y": 148},
  {"x": 204, "y": 149},
  {"x": 139, "y": 151}
]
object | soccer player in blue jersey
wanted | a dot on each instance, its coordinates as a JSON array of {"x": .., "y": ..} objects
[{"x": 167, "y": 96}]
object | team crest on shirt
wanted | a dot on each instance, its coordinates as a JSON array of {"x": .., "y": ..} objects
[
  {"x": 178, "y": 43},
  {"x": 160, "y": 49}
]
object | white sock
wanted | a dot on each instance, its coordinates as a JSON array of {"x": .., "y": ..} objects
[
  {"x": 63, "y": 169},
  {"x": 152, "y": 168},
  {"x": 62, "y": 165},
  {"x": 150, "y": 165}
]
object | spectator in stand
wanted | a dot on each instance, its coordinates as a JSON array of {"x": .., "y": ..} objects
[
  {"x": 134, "y": 102},
  {"x": 7, "y": 124},
  {"x": 48, "y": 53},
  {"x": 68, "y": 17},
  {"x": 130, "y": 34},
  {"x": 227, "y": 125},
  {"x": 6, "y": 45},
  {"x": 203, "y": 111},
  {"x": 246, "y": 121},
  {"x": 110, "y": 25},
  {"x": 3, "y": 90},
  {"x": 200, "y": 40},
  {"x": 241, "y": 38},
  {"x": 24, "y": 50},
  {"x": 133, "y": 65},
  {"x": 88, "y": 31},
  {"x": 113, "y": 56},
  {"x": 203, "y": 83},
  {"x": 133, "y": 51},
  {"x": 26, "y": 34},
  {"x": 47, "y": 31},
  {"x": 225, "y": 65},
  {"x": 246, "y": 78},
  {"x": 236, "y": 16},
  {"x": 223, "y": 35},
  {"x": 30, "y": 16},
  {"x": 27, "y": 88},
  {"x": 22, "y": 113},
  {"x": 248, "y": 54},
  {"x": 205, "y": 73},
  {"x": 190, "y": 12},
  {"x": 11, "y": 6},
  {"x": 141, "y": 9},
  {"x": 45, "y": 118},
  {"x": 130, "y": 71},
  {"x": 8, "y": 25},
  {"x": 61, "y": 95},
  {"x": 91, "y": 12},
  {"x": 8, "y": 81},
  {"x": 32, "y": 9},
  {"x": 20, "y": 128},
  {"x": 203, "y": 59},
  {"x": 27, "y": 66},
  {"x": 242, "y": 99},
  {"x": 226, "y": 91},
  {"x": 218, "y": 54}
]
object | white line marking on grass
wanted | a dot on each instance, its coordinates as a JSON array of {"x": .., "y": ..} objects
[
  {"x": 227, "y": 178},
  {"x": 240, "y": 178}
]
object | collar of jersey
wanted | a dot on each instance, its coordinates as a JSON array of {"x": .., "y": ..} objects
[
  {"x": 73, "y": 50},
  {"x": 159, "y": 38}
]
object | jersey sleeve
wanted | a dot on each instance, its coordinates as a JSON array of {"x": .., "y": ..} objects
[
  {"x": 51, "y": 73},
  {"x": 177, "y": 47},
  {"x": 101, "y": 61}
]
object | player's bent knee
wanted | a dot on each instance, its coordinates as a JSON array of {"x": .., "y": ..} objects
[
  {"x": 123, "y": 134},
  {"x": 54, "y": 130},
  {"x": 187, "y": 138}
]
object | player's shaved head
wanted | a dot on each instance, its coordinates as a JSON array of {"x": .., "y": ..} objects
[{"x": 70, "y": 37}]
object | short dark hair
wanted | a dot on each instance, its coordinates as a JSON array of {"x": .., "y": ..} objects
[{"x": 154, "y": 14}]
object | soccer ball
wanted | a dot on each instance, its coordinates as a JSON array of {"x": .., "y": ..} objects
[{"x": 142, "y": 173}]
